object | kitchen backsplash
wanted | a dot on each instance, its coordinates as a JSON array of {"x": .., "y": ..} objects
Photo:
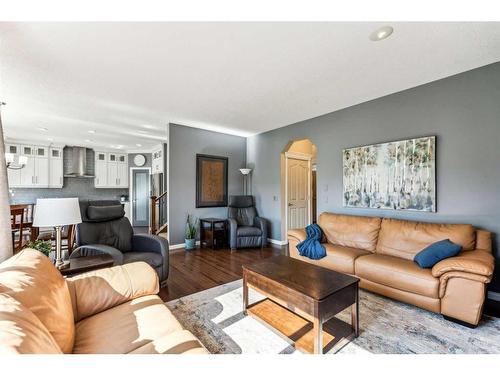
[{"x": 73, "y": 188}]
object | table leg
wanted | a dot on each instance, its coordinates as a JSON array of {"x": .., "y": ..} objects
[
  {"x": 318, "y": 335},
  {"x": 245, "y": 294},
  {"x": 213, "y": 235},
  {"x": 355, "y": 314}
]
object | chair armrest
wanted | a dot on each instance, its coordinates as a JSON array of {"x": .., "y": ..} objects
[
  {"x": 233, "y": 228},
  {"x": 478, "y": 262},
  {"x": 150, "y": 243},
  {"x": 88, "y": 250},
  {"x": 261, "y": 223},
  {"x": 100, "y": 290},
  {"x": 297, "y": 234},
  {"x": 155, "y": 244}
]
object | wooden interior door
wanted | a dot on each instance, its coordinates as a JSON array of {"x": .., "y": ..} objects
[{"x": 298, "y": 188}]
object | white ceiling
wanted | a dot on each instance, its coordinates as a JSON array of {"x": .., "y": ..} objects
[{"x": 127, "y": 80}]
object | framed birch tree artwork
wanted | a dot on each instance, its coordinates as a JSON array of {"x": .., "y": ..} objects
[{"x": 398, "y": 175}]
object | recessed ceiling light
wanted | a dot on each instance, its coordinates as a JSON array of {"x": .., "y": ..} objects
[
  {"x": 50, "y": 139},
  {"x": 149, "y": 126},
  {"x": 138, "y": 145},
  {"x": 88, "y": 140},
  {"x": 91, "y": 132},
  {"x": 43, "y": 129},
  {"x": 142, "y": 131},
  {"x": 381, "y": 33}
]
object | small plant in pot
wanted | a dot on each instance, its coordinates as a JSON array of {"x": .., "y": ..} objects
[
  {"x": 44, "y": 247},
  {"x": 191, "y": 230}
]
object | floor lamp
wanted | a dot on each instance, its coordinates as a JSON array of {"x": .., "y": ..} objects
[{"x": 246, "y": 176}]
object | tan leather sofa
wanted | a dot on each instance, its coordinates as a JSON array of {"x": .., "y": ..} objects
[
  {"x": 380, "y": 252},
  {"x": 113, "y": 310}
]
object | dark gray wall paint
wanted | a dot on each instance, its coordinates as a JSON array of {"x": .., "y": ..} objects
[
  {"x": 184, "y": 144},
  {"x": 72, "y": 187},
  {"x": 463, "y": 111}
]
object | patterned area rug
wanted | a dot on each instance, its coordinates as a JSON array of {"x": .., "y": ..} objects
[{"x": 215, "y": 316}]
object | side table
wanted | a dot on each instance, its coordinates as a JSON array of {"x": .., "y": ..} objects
[
  {"x": 85, "y": 264},
  {"x": 213, "y": 232}
]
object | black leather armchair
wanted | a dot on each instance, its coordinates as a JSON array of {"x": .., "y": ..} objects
[
  {"x": 246, "y": 228},
  {"x": 104, "y": 229}
]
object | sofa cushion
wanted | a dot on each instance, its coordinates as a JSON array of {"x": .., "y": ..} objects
[
  {"x": 153, "y": 259},
  {"x": 246, "y": 231},
  {"x": 126, "y": 327},
  {"x": 21, "y": 332},
  {"x": 338, "y": 258},
  {"x": 405, "y": 239},
  {"x": 31, "y": 278},
  {"x": 178, "y": 342},
  {"x": 397, "y": 273},
  {"x": 436, "y": 252},
  {"x": 351, "y": 231}
]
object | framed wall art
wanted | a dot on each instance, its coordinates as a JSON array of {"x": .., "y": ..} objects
[
  {"x": 211, "y": 181},
  {"x": 398, "y": 175}
]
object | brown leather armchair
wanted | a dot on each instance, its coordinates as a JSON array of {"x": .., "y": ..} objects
[
  {"x": 380, "y": 252},
  {"x": 113, "y": 310}
]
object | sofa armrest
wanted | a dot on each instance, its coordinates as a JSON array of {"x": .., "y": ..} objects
[
  {"x": 155, "y": 244},
  {"x": 88, "y": 250},
  {"x": 297, "y": 234},
  {"x": 478, "y": 262},
  {"x": 100, "y": 290}
]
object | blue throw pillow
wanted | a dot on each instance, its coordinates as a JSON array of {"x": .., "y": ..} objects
[{"x": 436, "y": 252}]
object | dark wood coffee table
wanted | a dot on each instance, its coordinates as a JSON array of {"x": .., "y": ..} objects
[
  {"x": 85, "y": 264},
  {"x": 302, "y": 301}
]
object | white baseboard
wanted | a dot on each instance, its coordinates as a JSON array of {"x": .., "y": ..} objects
[
  {"x": 277, "y": 242},
  {"x": 180, "y": 246},
  {"x": 495, "y": 296}
]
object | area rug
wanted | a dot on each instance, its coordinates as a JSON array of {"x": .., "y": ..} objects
[{"x": 386, "y": 326}]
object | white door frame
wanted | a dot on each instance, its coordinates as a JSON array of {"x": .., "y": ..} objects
[
  {"x": 308, "y": 158},
  {"x": 131, "y": 189}
]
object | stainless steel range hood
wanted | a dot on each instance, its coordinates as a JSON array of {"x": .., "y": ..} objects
[{"x": 77, "y": 162}]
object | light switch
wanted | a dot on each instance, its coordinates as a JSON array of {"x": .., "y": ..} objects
[
  {"x": 275, "y": 198},
  {"x": 325, "y": 187}
]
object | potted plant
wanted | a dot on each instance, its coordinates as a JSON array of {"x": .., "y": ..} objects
[
  {"x": 44, "y": 247},
  {"x": 191, "y": 230}
]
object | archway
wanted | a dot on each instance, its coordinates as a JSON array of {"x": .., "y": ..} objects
[{"x": 298, "y": 185}]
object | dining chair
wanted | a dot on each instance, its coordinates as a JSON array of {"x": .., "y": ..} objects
[{"x": 17, "y": 225}]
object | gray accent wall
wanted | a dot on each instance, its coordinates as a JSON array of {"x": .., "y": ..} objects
[
  {"x": 462, "y": 111},
  {"x": 184, "y": 144}
]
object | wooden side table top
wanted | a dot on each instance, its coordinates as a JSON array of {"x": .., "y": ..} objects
[
  {"x": 89, "y": 263},
  {"x": 212, "y": 220}
]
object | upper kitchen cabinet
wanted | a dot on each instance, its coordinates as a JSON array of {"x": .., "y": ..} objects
[
  {"x": 43, "y": 168},
  {"x": 111, "y": 170}
]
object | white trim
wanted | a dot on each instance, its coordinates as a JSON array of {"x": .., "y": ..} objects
[
  {"x": 180, "y": 246},
  {"x": 166, "y": 171},
  {"x": 277, "y": 242},
  {"x": 130, "y": 190},
  {"x": 308, "y": 158},
  {"x": 495, "y": 296}
]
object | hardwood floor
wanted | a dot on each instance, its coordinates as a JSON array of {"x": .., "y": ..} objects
[{"x": 200, "y": 269}]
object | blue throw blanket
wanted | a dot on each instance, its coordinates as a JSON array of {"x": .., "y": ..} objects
[{"x": 312, "y": 247}]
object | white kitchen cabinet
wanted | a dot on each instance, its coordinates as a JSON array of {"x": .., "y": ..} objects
[
  {"x": 111, "y": 170},
  {"x": 14, "y": 177},
  {"x": 36, "y": 172},
  {"x": 56, "y": 179},
  {"x": 28, "y": 172}
]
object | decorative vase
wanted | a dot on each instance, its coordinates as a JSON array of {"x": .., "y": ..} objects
[{"x": 190, "y": 244}]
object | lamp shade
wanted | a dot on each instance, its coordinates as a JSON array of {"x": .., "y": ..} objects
[{"x": 54, "y": 212}]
